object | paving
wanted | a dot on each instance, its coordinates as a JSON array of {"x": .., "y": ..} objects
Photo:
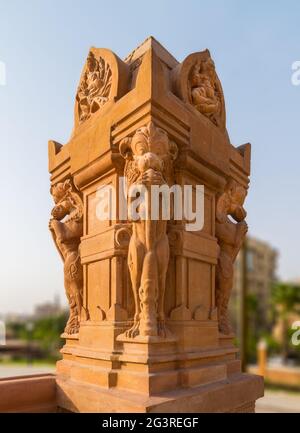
[
  {"x": 24, "y": 370},
  {"x": 278, "y": 402}
]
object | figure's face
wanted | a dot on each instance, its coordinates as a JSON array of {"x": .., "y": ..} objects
[
  {"x": 149, "y": 160},
  {"x": 196, "y": 76},
  {"x": 150, "y": 154},
  {"x": 58, "y": 192},
  {"x": 209, "y": 67},
  {"x": 90, "y": 64}
]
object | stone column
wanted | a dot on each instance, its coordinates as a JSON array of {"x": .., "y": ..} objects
[{"x": 148, "y": 329}]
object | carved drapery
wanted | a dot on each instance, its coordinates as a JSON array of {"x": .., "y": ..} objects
[
  {"x": 149, "y": 158},
  {"x": 230, "y": 237},
  {"x": 66, "y": 227}
]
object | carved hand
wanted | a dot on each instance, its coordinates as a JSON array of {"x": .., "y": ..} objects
[
  {"x": 152, "y": 177},
  {"x": 50, "y": 225}
]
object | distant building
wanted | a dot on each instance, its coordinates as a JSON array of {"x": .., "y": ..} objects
[
  {"x": 15, "y": 317},
  {"x": 47, "y": 309},
  {"x": 260, "y": 262}
]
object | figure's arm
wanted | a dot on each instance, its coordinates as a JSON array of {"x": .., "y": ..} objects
[
  {"x": 241, "y": 231},
  {"x": 55, "y": 229},
  {"x": 225, "y": 231}
]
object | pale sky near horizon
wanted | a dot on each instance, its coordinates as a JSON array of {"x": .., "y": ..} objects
[{"x": 44, "y": 45}]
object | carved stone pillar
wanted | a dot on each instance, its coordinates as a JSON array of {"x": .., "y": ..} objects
[{"x": 151, "y": 332}]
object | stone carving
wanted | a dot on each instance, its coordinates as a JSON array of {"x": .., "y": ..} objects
[
  {"x": 206, "y": 94},
  {"x": 66, "y": 227},
  {"x": 122, "y": 236},
  {"x": 94, "y": 88},
  {"x": 149, "y": 158},
  {"x": 230, "y": 237},
  {"x": 157, "y": 366}
]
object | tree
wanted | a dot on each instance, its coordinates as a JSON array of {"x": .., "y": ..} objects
[
  {"x": 47, "y": 333},
  {"x": 286, "y": 297},
  {"x": 44, "y": 332}
]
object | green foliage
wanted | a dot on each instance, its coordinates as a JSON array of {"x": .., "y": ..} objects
[
  {"x": 252, "y": 319},
  {"x": 293, "y": 349},
  {"x": 45, "y": 332},
  {"x": 257, "y": 330},
  {"x": 287, "y": 296},
  {"x": 286, "y": 301},
  {"x": 251, "y": 346},
  {"x": 251, "y": 302},
  {"x": 272, "y": 345}
]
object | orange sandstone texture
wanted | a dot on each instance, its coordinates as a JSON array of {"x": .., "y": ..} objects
[{"x": 148, "y": 328}]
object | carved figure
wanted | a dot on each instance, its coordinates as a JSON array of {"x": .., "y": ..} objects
[
  {"x": 230, "y": 238},
  {"x": 205, "y": 92},
  {"x": 94, "y": 89},
  {"x": 66, "y": 227},
  {"x": 149, "y": 158}
]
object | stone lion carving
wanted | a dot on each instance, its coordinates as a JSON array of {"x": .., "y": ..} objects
[
  {"x": 66, "y": 227},
  {"x": 230, "y": 237},
  {"x": 94, "y": 89},
  {"x": 149, "y": 158},
  {"x": 205, "y": 91}
]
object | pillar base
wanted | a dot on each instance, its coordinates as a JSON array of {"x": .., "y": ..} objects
[{"x": 238, "y": 393}]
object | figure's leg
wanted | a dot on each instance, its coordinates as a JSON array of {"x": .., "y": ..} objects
[
  {"x": 162, "y": 253},
  {"x": 148, "y": 295},
  {"x": 68, "y": 295},
  {"x": 223, "y": 291},
  {"x": 74, "y": 287},
  {"x": 69, "y": 328},
  {"x": 136, "y": 253},
  {"x": 77, "y": 294}
]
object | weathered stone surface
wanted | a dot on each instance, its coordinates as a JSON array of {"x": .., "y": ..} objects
[
  {"x": 28, "y": 394},
  {"x": 151, "y": 331}
]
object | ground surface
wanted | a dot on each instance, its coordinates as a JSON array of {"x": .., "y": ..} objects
[
  {"x": 24, "y": 370},
  {"x": 278, "y": 402}
]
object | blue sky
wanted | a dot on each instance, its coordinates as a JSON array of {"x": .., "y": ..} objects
[{"x": 44, "y": 45}]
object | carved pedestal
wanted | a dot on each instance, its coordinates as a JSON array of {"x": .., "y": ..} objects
[{"x": 148, "y": 330}]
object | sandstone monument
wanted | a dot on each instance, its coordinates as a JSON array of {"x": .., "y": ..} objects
[{"x": 148, "y": 328}]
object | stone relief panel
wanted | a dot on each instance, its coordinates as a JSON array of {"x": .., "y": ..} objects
[
  {"x": 98, "y": 299},
  {"x": 195, "y": 81},
  {"x": 230, "y": 234},
  {"x": 104, "y": 80},
  {"x": 204, "y": 90},
  {"x": 66, "y": 227},
  {"x": 95, "y": 86}
]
